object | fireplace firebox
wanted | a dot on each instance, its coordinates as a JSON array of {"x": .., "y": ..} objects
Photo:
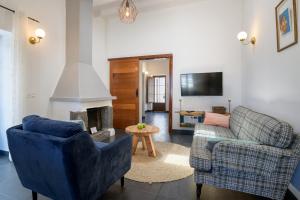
[{"x": 99, "y": 118}]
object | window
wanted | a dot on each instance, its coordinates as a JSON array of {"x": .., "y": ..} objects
[{"x": 160, "y": 89}]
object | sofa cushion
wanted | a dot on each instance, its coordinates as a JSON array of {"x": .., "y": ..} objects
[
  {"x": 237, "y": 118},
  {"x": 211, "y": 142},
  {"x": 213, "y": 131},
  {"x": 46, "y": 126},
  {"x": 266, "y": 130}
]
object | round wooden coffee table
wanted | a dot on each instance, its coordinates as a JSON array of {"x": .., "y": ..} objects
[{"x": 146, "y": 136}]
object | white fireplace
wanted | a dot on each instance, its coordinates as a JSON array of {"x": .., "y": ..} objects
[{"x": 79, "y": 86}]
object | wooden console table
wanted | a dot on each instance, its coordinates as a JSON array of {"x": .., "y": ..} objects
[{"x": 188, "y": 119}]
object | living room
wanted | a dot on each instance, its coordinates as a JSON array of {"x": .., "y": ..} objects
[{"x": 68, "y": 66}]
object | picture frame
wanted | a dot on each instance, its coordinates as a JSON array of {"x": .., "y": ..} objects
[
  {"x": 286, "y": 24},
  {"x": 93, "y": 130}
]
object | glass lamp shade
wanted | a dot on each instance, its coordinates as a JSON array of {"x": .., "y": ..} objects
[
  {"x": 40, "y": 33},
  {"x": 242, "y": 36},
  {"x": 128, "y": 12}
]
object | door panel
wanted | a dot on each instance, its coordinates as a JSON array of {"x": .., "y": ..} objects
[{"x": 124, "y": 84}]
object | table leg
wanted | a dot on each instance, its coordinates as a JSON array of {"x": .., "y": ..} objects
[
  {"x": 144, "y": 142},
  {"x": 150, "y": 146},
  {"x": 135, "y": 142}
]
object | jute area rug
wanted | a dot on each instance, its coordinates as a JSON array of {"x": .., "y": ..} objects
[{"x": 171, "y": 163}]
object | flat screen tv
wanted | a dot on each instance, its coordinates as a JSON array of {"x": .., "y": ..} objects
[{"x": 202, "y": 84}]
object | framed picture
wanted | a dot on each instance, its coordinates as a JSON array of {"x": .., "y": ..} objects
[
  {"x": 93, "y": 130},
  {"x": 286, "y": 24}
]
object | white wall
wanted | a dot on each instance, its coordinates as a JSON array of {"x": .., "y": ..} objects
[
  {"x": 43, "y": 63},
  {"x": 202, "y": 38},
  {"x": 100, "y": 62},
  {"x": 271, "y": 79},
  {"x": 193, "y": 33},
  {"x": 6, "y": 20}
]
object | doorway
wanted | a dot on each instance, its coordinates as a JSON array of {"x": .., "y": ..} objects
[
  {"x": 154, "y": 92},
  {"x": 160, "y": 90},
  {"x": 128, "y": 82}
]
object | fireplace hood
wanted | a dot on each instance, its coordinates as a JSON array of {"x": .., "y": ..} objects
[{"x": 79, "y": 81}]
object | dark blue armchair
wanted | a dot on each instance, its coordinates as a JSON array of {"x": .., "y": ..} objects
[{"x": 59, "y": 160}]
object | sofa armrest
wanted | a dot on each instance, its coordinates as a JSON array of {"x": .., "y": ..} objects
[
  {"x": 247, "y": 157},
  {"x": 116, "y": 159},
  {"x": 99, "y": 166}
]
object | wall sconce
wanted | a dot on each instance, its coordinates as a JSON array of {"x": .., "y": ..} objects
[
  {"x": 243, "y": 38},
  {"x": 39, "y": 34}
]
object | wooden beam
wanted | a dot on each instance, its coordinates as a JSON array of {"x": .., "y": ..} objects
[{"x": 147, "y": 57}]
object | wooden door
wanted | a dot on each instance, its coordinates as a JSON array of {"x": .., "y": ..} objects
[{"x": 124, "y": 84}]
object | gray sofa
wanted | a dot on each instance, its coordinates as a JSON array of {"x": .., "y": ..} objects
[{"x": 257, "y": 155}]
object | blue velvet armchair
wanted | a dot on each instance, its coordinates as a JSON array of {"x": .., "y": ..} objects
[{"x": 61, "y": 161}]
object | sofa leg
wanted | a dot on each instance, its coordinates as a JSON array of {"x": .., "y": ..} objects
[
  {"x": 34, "y": 195},
  {"x": 199, "y": 187},
  {"x": 122, "y": 182}
]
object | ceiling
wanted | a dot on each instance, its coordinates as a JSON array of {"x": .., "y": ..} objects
[{"x": 108, "y": 8}]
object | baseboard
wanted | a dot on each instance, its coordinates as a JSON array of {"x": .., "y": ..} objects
[{"x": 294, "y": 192}]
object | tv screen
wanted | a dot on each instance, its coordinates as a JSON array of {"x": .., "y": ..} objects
[{"x": 202, "y": 84}]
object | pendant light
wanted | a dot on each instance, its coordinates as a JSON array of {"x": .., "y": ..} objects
[{"x": 128, "y": 12}]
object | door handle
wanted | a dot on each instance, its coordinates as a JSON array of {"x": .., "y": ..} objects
[{"x": 137, "y": 92}]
